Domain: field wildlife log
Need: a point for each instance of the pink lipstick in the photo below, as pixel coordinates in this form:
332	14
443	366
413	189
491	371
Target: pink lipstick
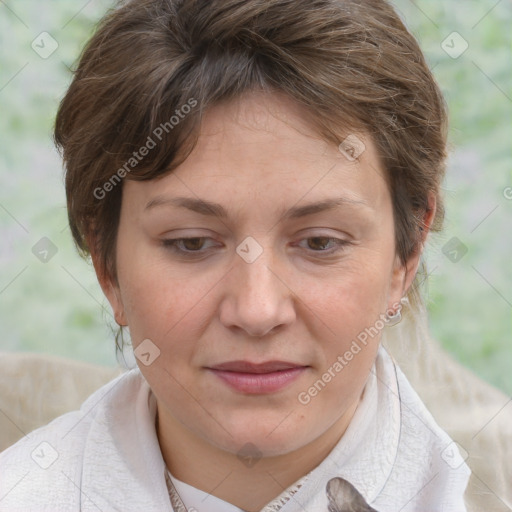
258	378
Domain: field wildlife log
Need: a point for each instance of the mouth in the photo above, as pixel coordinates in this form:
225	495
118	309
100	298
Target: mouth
257	378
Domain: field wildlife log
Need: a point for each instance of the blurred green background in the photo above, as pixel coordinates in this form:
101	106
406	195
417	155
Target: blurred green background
57	307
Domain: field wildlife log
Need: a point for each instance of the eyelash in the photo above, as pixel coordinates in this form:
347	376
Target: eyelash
172	245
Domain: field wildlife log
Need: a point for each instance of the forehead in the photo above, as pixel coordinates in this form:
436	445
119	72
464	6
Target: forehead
262	150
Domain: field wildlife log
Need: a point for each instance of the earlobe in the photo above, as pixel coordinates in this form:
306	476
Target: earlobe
113	294
114	298
110	290
120	318
407	272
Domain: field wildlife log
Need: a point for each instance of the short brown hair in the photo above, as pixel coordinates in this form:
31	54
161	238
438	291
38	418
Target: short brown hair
351	64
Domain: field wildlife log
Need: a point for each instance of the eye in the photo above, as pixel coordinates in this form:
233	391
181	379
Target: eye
194	245
197	245
325	244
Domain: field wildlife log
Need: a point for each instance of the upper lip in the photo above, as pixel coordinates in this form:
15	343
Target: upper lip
248	367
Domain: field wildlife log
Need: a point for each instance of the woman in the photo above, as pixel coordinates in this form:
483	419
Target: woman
255	182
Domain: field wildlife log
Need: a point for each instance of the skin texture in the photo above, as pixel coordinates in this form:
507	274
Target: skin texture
298	301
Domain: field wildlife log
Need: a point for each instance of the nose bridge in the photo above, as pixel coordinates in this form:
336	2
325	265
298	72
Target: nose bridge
259	300
258	280
257	287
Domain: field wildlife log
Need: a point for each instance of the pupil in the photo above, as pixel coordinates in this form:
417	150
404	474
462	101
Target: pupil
319	241
193	243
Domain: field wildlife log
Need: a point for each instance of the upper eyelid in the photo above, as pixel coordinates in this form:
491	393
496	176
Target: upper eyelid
338	241
303	233
180	238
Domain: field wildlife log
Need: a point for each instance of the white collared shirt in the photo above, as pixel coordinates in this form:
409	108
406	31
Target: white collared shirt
200	501
106	456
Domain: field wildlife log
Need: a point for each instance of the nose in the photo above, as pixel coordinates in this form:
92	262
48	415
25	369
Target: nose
257	299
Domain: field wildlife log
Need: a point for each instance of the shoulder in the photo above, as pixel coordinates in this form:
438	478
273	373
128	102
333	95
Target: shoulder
427	459
44	468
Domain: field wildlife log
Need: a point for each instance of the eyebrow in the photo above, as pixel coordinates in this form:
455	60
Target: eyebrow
212	209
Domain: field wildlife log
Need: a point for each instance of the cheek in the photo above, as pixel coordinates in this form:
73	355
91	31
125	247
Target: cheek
348	324
346	311
352	297
165	303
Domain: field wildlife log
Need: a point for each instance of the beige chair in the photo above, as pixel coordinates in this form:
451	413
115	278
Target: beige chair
477	416
34	389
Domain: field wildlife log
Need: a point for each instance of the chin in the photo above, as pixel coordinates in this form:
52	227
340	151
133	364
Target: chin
266	437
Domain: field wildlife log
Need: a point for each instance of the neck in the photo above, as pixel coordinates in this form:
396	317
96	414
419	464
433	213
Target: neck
251	485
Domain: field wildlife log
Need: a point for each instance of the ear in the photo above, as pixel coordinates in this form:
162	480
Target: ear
110	288
403	275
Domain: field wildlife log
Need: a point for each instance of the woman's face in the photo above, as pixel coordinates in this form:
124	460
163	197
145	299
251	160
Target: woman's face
291	257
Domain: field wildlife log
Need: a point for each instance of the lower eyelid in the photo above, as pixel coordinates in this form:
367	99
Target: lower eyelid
172	244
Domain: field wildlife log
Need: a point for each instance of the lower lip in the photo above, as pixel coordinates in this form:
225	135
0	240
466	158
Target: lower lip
259	383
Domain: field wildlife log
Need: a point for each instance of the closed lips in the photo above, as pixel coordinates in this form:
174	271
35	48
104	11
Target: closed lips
257	378
247	367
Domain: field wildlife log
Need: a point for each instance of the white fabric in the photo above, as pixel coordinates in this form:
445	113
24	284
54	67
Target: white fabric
200	501
107	456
